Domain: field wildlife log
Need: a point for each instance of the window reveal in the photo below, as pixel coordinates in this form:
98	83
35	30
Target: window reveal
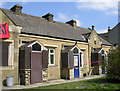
5	54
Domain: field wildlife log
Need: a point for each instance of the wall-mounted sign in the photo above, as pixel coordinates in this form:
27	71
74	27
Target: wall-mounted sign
4	30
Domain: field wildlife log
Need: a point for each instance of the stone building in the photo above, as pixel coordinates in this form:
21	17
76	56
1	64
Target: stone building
112	35
41	49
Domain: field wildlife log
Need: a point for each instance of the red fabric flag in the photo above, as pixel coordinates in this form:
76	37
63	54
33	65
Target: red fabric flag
4	30
92	62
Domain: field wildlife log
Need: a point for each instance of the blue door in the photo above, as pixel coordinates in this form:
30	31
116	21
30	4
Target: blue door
103	67
103	70
76	66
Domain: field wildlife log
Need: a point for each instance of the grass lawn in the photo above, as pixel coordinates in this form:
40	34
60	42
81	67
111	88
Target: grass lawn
99	83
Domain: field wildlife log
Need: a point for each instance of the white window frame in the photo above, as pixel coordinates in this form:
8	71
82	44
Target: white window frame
78	57
11	54
53	57
82	59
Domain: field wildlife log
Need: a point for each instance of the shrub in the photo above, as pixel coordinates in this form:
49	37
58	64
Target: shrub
113	66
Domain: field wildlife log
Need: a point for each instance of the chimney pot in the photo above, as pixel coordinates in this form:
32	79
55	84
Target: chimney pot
72	23
93	27
48	17
17	9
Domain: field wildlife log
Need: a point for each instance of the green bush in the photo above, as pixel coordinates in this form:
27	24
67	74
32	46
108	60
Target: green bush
113	66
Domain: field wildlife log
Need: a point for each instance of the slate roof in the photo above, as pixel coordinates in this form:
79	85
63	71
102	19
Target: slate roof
67	48
117	26
83	30
27	44
86	36
104	42
40	26
37	25
104	36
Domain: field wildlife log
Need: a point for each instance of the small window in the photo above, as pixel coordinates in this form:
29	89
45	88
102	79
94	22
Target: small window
51	51
102	52
51	56
75	50
36	47
95	42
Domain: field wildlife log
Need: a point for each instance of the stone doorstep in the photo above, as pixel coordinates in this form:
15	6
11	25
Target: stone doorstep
51	82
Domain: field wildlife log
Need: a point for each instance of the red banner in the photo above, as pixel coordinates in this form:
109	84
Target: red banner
92	62
4	30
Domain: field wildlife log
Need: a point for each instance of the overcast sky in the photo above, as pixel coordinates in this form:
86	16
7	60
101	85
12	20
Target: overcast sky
86	13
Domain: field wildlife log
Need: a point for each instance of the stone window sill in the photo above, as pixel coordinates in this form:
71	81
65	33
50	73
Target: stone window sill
52	65
6	68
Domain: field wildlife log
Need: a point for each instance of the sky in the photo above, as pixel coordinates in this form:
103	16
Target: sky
99	13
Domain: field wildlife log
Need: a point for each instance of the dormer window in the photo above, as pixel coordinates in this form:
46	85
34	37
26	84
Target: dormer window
95	42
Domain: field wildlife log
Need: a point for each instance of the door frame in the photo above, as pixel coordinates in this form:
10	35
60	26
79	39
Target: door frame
78	65
39	65
78	54
103	68
36	51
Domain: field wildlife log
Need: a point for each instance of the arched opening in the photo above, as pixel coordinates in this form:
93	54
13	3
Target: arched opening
75	50
102	52
36	47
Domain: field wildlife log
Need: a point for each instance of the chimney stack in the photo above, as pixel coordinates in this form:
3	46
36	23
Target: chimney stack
17	9
93	27
48	17
109	29
72	23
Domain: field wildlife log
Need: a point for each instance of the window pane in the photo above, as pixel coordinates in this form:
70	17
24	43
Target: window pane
102	51
95	42
52	59
75	50
36	47
51	51
76	61
5	52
